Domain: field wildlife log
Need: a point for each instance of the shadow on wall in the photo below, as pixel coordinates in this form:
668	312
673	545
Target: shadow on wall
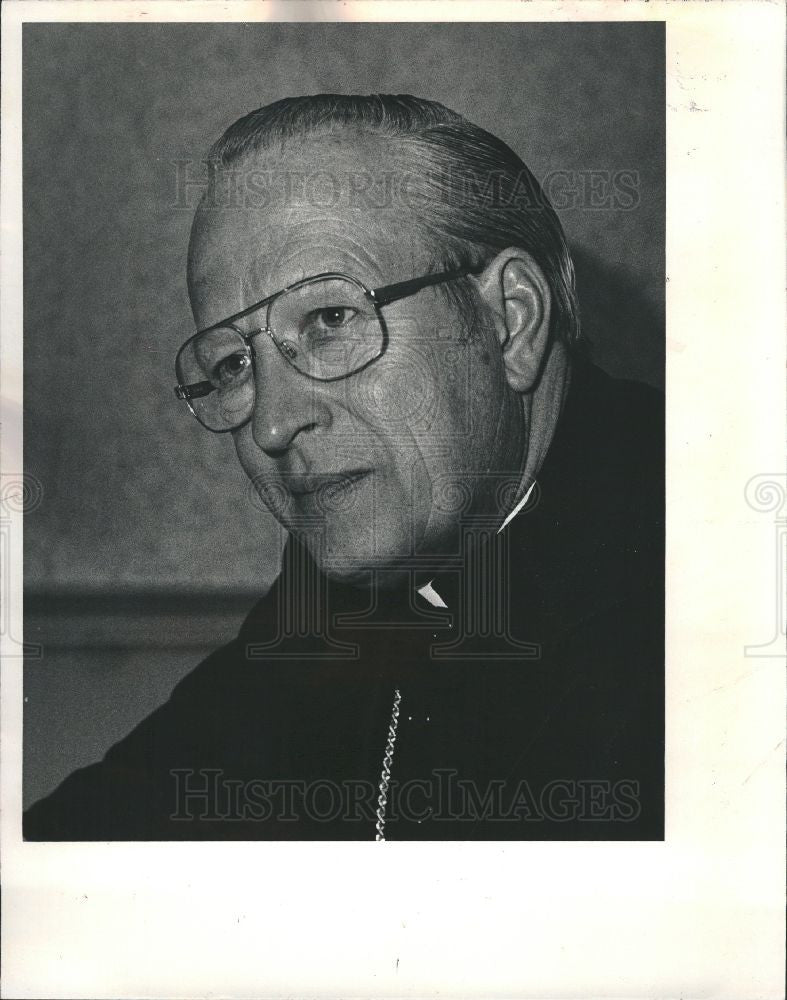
622	327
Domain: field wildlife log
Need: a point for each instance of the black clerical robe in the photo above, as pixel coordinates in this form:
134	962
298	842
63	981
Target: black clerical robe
530	708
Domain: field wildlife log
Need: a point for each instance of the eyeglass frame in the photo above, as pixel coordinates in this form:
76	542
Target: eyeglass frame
379	297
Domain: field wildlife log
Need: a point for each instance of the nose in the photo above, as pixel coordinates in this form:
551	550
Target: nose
287	404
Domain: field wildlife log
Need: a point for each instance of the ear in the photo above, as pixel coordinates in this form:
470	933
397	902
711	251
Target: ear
519	299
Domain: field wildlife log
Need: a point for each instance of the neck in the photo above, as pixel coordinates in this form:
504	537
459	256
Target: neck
543	408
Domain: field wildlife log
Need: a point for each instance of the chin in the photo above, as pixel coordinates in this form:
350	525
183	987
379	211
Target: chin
349	555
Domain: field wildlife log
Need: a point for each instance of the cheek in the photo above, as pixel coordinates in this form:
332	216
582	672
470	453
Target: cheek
424	387
472	394
398	394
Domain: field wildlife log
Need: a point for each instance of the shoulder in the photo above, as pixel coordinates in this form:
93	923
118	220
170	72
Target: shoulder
608	449
596	535
616	414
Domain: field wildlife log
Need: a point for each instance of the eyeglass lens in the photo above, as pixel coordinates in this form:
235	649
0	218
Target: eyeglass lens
327	329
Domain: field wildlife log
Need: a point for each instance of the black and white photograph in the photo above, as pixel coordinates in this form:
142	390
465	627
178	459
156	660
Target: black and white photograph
428	328
392	518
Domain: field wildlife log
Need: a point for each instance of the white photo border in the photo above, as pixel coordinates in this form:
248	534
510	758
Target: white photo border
698	915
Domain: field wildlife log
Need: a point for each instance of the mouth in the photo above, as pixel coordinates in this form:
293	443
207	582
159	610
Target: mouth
329	485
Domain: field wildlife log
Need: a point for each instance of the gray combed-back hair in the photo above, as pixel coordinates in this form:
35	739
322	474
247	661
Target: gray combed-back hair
478	196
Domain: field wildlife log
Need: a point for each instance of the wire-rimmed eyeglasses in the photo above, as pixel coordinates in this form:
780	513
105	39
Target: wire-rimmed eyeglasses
327	327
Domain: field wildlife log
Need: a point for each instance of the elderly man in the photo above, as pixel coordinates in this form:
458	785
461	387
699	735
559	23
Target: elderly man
466	637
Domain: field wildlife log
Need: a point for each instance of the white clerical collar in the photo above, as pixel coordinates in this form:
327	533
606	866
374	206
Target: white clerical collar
430	594
517	509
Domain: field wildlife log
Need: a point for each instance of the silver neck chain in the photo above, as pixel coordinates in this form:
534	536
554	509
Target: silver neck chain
385	777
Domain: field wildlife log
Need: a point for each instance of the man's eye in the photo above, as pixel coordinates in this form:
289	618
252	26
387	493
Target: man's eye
230	369
332	317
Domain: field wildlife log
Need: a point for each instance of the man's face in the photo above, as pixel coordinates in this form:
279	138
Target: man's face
379	465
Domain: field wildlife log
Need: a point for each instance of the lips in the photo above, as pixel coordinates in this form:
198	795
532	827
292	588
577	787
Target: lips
333	482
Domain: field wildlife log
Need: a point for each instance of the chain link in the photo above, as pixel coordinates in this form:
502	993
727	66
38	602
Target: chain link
385	777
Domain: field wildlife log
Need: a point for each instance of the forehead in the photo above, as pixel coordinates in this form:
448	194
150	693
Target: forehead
333	203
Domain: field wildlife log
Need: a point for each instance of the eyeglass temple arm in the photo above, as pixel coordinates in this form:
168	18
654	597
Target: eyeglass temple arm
401	289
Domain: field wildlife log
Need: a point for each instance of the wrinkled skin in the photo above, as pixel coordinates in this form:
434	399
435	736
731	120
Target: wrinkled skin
437	409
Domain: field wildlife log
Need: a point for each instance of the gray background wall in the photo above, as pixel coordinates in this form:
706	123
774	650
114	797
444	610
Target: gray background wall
140	507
